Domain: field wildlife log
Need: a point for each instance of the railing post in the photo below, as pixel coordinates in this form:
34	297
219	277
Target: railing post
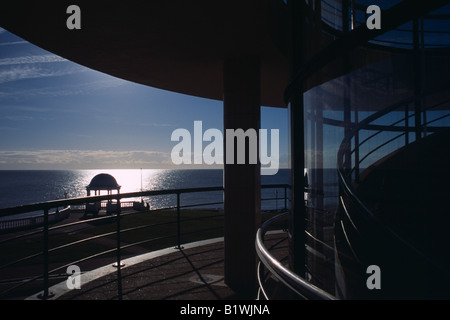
276	199
179	247
46	294
356	136
417	76
285	198
406	125
118	263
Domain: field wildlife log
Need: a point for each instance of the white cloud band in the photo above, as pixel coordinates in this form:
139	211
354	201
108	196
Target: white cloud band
83	159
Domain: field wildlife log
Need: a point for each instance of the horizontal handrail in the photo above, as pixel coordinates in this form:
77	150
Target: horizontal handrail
117	217
297	284
374	220
344	173
33	221
67	202
394	17
336	12
82	200
365	125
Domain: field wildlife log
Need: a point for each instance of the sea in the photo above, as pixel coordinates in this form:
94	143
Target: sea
20	187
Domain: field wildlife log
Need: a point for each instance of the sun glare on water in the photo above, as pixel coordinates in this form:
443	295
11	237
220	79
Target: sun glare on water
130	180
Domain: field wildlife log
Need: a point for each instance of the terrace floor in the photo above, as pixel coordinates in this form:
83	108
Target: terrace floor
193	273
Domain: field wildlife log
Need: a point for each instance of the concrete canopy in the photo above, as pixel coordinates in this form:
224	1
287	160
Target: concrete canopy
103	181
173	45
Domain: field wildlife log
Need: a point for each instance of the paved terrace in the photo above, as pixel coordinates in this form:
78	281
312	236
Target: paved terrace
193	273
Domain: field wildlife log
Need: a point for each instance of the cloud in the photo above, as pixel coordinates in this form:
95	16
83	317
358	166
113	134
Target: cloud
24	108
21	72
16	117
79	88
83	159
13	43
46	58
35	67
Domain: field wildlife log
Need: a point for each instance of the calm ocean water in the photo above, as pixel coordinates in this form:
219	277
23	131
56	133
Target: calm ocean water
33	186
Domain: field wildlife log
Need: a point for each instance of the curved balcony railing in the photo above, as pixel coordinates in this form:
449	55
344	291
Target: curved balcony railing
347	31
333	18
300	287
357	33
355	216
171	228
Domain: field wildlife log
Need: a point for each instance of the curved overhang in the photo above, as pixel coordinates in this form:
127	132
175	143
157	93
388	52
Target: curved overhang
173	45
103	181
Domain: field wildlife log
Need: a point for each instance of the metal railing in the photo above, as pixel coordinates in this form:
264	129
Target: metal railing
177	221
32	222
356	219
356	34
332	22
395	127
350	203
342	43
299	286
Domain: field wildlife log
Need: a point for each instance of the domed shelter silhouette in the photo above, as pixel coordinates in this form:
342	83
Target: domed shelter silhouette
103	181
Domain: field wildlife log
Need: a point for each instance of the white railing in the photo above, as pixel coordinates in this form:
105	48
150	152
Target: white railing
33	221
123	204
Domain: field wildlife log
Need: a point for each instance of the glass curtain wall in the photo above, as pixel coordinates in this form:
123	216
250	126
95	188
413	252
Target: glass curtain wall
376	138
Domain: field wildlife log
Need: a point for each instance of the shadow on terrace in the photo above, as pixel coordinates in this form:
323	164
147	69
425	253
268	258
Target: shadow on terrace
136	252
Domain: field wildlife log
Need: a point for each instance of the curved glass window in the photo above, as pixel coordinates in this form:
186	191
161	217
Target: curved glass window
377	151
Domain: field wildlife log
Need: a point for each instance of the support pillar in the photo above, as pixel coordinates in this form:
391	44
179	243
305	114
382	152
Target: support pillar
297	221
417	69
242	182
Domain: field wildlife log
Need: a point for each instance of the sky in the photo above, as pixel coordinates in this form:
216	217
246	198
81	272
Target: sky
56	114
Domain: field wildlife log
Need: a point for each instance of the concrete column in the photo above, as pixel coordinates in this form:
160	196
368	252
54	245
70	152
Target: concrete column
242	182
297	222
